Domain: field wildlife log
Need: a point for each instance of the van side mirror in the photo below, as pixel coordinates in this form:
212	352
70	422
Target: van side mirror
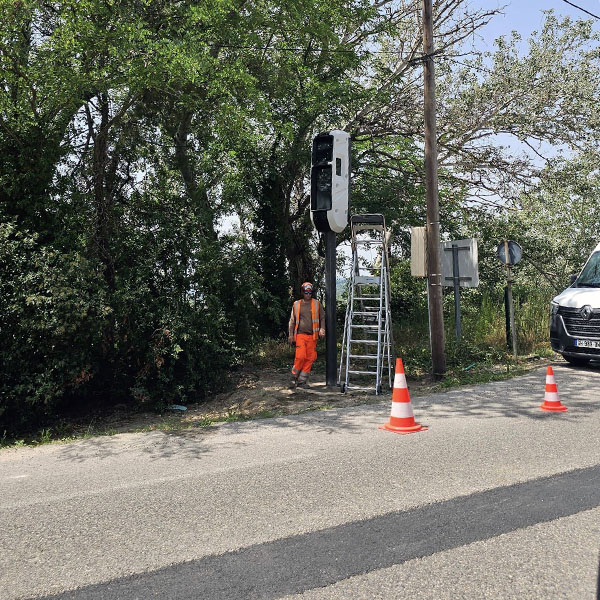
572	278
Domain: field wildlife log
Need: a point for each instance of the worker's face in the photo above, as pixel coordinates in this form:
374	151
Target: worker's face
307	294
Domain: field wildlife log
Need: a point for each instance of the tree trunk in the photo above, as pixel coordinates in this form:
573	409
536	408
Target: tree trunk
300	258
269	237
195	191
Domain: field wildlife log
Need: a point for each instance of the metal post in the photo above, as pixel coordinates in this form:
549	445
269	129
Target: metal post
456	280
507	318
330	309
434	267
511	309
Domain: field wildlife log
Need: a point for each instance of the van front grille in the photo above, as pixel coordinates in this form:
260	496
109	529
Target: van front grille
578	350
577	326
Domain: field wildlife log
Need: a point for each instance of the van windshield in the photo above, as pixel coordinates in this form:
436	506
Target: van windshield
590	276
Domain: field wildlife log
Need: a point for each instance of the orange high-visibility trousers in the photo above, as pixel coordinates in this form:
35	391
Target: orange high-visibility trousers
306	354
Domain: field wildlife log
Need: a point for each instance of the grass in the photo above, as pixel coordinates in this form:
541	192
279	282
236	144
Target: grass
273	354
482	374
47	436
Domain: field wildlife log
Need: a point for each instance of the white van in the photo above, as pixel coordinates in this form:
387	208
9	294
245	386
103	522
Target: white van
575	315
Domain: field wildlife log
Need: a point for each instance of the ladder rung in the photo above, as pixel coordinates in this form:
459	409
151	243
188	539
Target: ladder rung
366	298
367	319
363	356
369	342
373	242
363	372
366	280
370	313
358	387
360	281
364	326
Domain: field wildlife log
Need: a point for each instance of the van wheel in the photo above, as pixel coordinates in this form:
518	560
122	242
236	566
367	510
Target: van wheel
576	361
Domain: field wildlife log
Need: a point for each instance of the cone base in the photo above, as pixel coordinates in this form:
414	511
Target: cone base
559	408
404	430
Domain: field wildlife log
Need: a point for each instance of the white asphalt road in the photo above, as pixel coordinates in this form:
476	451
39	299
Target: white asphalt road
498	499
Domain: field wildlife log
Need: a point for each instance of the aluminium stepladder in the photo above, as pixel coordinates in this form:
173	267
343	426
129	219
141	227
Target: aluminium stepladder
367	343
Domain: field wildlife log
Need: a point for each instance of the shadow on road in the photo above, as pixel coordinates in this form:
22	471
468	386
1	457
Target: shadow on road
317	559
578	388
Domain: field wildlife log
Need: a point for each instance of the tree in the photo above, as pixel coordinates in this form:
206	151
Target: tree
503	115
349	66
559	221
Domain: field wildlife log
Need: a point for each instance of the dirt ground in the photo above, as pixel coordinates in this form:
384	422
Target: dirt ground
255	393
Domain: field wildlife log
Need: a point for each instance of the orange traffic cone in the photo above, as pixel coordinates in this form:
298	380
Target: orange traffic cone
551	399
401	419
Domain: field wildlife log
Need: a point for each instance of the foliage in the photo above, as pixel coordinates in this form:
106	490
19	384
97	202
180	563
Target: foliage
50	310
559	221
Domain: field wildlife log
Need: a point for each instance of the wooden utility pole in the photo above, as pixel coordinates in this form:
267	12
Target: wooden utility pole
434	266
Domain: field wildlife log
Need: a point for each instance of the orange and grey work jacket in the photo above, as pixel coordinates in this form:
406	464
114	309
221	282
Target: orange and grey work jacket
302	322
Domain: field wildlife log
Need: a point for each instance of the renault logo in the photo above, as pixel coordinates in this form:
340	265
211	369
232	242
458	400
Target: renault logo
586	312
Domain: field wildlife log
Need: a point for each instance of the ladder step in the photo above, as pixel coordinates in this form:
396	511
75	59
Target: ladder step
363	372
366	298
375	327
371	313
358	387
366	318
366	280
369	356
371	219
368	342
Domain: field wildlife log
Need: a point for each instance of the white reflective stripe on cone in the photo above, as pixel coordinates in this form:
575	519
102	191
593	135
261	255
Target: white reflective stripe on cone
550	379
400	380
551	397
402	410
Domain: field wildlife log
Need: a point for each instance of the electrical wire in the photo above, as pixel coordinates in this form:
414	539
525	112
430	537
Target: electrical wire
464	64
587	12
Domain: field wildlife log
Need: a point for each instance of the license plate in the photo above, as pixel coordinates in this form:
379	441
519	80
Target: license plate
587	343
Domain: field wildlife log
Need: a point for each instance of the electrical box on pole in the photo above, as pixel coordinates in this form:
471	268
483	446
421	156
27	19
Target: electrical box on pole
418	252
329	204
330	181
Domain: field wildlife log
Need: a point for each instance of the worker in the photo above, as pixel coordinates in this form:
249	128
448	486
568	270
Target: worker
307	324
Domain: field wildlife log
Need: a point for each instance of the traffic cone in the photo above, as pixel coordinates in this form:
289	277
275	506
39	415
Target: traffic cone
402	419
551	399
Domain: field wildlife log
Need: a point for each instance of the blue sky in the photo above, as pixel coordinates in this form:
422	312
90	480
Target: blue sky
526	16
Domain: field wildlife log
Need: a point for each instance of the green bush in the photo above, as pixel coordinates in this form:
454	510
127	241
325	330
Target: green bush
71	344
51	312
